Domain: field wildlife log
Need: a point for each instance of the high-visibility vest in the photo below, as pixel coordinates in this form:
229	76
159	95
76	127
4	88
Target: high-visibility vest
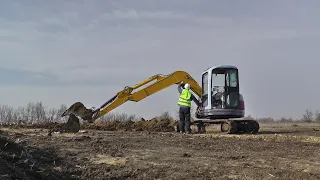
185	98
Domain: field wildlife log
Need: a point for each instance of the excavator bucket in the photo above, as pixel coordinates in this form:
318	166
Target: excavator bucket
79	109
72	126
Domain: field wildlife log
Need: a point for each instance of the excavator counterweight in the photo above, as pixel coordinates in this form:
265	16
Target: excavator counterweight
219	98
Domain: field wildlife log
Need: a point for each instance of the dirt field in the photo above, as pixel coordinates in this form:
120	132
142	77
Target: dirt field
278	152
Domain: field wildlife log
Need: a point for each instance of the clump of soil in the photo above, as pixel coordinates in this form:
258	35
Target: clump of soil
7	145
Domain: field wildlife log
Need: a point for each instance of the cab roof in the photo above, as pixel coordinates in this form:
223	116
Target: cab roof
221	66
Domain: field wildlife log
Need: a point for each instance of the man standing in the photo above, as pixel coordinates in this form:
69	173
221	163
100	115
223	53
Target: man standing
185	106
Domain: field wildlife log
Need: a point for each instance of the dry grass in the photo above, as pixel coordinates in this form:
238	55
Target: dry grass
104	159
266	137
289	124
274	132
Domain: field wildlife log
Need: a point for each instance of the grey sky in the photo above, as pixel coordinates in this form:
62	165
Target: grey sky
60	52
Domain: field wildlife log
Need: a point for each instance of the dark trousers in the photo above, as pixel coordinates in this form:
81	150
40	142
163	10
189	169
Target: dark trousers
184	115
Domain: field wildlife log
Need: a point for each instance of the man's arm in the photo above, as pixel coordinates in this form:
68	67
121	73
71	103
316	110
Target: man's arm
180	87
195	100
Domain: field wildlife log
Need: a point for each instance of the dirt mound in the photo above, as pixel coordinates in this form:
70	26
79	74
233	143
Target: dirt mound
158	125
152	125
155	125
20	162
7	145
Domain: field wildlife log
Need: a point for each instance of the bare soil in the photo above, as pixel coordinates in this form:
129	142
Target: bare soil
275	153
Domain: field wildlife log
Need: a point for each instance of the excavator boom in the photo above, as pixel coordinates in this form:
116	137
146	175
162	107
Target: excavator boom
127	94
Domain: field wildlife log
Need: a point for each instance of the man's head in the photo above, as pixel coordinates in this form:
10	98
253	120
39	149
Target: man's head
187	86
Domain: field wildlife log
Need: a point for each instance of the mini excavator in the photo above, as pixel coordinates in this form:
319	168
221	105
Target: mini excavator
219	99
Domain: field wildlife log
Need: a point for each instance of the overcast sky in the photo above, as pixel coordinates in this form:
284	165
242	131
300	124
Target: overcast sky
64	51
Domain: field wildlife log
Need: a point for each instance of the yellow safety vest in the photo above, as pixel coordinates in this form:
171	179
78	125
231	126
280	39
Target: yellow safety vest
185	98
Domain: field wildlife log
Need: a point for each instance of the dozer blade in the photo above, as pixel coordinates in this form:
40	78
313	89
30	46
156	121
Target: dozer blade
79	109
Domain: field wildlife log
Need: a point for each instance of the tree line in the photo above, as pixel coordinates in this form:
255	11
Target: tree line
33	112
36	112
307	117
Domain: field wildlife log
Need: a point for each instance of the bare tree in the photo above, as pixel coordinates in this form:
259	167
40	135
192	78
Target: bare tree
22	115
166	115
30	112
2	115
61	109
51	115
307	116
317	116
39	112
6	114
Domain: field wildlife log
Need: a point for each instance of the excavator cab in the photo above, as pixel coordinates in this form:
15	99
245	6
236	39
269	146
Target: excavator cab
221	98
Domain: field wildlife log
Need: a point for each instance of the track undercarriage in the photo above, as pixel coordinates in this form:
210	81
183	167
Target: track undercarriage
240	126
229	126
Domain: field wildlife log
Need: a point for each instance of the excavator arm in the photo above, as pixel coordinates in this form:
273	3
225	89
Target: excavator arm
127	94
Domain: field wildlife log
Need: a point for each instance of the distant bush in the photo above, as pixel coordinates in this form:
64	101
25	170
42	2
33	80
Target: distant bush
166	115
118	117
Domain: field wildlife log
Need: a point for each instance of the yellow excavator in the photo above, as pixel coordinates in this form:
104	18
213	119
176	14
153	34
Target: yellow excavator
219	99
